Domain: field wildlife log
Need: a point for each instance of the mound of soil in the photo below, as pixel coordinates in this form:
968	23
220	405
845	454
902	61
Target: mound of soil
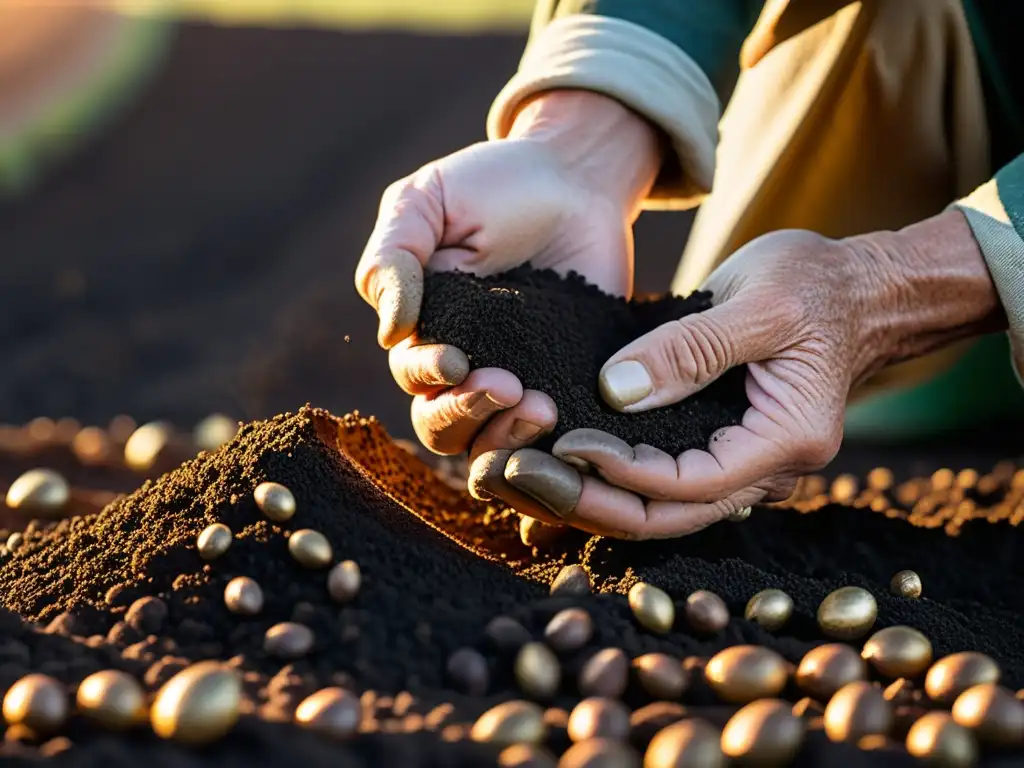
556	333
437	568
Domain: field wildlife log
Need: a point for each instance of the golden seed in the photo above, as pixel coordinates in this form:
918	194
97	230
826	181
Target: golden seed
332	712
143	448
198	705
525	756
827	668
844	488
652	607
906	584
569	630
706	612
994	714
936	739
898	652
571	580
537	671
763	732
847	613
275	501
310	548
606	673
594	753
858	709
243	596
954	674
214	541
288	640
40	491
661	676
511	722
344	580
598	718
742	673
771	608
112	698
686	744
37	702
214	431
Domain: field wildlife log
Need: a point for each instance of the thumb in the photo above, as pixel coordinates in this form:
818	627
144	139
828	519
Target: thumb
409	228
682	357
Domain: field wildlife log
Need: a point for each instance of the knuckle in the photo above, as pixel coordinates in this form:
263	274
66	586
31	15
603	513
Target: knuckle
698	349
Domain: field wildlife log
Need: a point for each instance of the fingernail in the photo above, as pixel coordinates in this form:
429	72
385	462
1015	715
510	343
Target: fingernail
487	475
480	405
625	384
545	479
523	430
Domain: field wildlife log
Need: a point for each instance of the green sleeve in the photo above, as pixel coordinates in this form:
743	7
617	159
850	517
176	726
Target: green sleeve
711	32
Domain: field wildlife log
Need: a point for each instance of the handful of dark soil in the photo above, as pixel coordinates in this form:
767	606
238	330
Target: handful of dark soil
555	333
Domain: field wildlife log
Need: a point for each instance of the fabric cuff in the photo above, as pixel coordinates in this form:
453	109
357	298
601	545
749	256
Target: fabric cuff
641	69
1003	250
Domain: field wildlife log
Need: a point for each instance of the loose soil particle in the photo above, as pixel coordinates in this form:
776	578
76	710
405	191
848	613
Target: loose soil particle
555	334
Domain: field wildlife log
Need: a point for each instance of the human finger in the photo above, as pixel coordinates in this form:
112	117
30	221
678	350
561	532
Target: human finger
423	369
448	421
521	425
487	483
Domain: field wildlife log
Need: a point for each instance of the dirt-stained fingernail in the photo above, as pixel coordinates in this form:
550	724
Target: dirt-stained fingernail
487	475
523	430
546	479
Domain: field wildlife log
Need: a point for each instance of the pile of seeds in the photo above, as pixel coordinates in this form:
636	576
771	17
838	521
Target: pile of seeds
359	610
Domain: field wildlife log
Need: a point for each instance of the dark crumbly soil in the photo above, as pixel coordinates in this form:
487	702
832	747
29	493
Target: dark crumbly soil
437	567
556	333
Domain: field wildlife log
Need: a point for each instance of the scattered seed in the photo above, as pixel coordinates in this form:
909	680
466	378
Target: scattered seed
467	669
598	718
288	640
37	702
571	580
827	668
906	584
954	674
243	596
332	712
994	714
936	739
147	615
344	581
198	705
275	501
569	630
763	732
526	756
112	698
214	541
847	613
706	612
214	431
660	675
39	491
898	652
742	673
142	450
685	744
310	548
511	722
652	607
771	608
606	673
858	709
537	671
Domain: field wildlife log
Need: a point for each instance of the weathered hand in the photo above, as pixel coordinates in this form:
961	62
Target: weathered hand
811	318
562	192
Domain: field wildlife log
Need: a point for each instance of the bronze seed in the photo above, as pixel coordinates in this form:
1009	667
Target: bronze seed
847	613
954	674
275	501
511	722
214	431
906	584
198	705
771	608
112	698
856	710
288	640
598	718
344	581
660	675
310	548
537	671
936	739
706	612
569	630
827	668
37	702
686	744
332	712
600	753
571	580
898	652
243	596
214	541
526	756
145	445
652	608
763	732
40	491
506	634
994	714
606	673
467	669
742	673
